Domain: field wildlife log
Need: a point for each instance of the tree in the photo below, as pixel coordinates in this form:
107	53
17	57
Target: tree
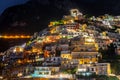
111	51
108	53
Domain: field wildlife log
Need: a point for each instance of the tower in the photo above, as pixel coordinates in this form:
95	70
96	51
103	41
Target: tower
75	12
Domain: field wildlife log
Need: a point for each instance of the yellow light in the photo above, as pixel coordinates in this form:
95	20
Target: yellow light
82	70
19	61
22	36
21	49
72	21
65	22
19	74
89	40
14	50
28	36
16	36
84	26
18	49
5	37
63	36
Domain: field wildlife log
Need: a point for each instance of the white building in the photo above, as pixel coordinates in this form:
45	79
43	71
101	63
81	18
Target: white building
44	71
97	68
75	12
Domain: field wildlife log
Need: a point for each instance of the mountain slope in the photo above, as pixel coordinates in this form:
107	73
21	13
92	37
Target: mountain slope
36	14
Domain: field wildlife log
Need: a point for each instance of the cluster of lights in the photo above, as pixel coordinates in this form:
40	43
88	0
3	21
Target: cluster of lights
90	40
15	37
18	49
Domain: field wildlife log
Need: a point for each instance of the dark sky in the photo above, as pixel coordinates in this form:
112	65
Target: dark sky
8	3
93	6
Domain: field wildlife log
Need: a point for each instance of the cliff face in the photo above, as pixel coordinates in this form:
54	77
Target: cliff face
36	14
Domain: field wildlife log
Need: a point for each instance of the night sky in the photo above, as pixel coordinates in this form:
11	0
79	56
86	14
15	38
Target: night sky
106	6
8	3
100	5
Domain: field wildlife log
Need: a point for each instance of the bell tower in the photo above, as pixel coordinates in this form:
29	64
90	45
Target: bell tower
75	12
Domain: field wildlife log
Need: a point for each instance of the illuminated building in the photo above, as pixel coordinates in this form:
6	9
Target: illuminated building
75	12
72	26
46	53
18	49
65	55
68	20
89	40
54	30
64	47
66	58
34	50
118	30
44	71
85	50
15	72
55	23
97	68
85	57
52	61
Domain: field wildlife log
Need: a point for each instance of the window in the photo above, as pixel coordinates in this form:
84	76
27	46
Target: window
58	59
82	50
54	59
92	69
46	73
40	73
